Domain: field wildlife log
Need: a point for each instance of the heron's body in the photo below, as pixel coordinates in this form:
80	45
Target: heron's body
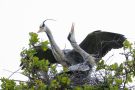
96	45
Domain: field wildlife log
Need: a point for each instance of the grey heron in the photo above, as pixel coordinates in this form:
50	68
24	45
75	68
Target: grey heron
97	43
57	53
95	46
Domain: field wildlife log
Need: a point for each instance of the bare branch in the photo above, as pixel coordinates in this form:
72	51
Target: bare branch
14	73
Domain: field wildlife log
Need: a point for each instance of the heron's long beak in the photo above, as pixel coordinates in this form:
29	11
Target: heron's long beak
40	30
72	27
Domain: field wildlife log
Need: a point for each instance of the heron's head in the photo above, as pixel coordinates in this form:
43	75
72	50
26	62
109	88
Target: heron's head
43	27
71	36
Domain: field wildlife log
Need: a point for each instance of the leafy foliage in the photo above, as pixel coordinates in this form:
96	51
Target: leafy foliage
8	84
43	75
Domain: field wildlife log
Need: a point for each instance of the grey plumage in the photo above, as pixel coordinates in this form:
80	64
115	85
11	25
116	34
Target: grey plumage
79	60
97	44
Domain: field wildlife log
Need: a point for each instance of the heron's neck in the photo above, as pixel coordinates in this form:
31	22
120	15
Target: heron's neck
77	48
58	54
51	39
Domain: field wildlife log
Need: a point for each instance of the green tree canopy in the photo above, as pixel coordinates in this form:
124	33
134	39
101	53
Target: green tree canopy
42	75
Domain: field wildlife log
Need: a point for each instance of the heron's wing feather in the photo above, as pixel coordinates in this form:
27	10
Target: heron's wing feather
41	54
47	55
100	42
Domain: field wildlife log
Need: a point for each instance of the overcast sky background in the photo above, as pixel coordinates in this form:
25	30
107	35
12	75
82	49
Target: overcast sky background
19	17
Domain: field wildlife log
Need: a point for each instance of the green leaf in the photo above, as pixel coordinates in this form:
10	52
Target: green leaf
7	84
114	66
88	87
44	45
46	62
78	88
33	38
125	88
115	88
129	78
65	80
101	65
133	53
35	62
127	44
118	81
54	84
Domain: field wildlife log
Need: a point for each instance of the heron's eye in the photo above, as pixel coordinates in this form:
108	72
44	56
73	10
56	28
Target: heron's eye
69	36
41	26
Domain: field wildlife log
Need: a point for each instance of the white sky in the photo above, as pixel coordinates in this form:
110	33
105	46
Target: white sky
19	17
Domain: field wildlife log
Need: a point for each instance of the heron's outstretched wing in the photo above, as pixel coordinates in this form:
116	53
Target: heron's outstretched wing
100	42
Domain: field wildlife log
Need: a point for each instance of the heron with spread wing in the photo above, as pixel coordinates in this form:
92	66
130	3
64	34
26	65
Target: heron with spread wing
96	45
